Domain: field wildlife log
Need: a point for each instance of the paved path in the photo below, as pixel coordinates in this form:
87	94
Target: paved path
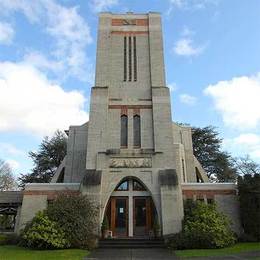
131	254
159	254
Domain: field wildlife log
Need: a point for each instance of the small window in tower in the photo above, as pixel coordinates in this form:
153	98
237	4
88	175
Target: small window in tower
130	59
135	60
124	129
137	131
183	170
125	61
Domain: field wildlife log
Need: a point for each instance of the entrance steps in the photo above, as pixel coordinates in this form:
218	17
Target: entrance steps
131	243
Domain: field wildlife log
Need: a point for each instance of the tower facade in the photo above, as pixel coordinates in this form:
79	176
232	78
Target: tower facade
130	136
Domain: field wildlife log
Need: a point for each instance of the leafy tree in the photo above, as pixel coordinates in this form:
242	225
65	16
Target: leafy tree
46	160
249	196
245	165
207	148
7	180
77	216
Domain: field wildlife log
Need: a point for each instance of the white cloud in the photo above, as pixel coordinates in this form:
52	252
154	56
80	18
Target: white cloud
38	60
10	149
246	143
192	4
13	164
188	99
187	32
6	33
29	102
102	5
238	101
184	47
70	31
172	86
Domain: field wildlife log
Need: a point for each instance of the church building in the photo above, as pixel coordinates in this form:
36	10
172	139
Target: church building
130	158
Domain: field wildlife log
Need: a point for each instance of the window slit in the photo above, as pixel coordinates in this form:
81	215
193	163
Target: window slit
124	131
135	60
137	131
125	62
130	59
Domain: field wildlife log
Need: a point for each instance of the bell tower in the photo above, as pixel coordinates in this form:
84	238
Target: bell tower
130	126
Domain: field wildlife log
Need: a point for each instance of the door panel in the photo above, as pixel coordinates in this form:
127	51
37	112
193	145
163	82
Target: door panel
120	216
142	216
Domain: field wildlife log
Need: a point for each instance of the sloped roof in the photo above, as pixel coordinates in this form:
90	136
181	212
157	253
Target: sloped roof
11	197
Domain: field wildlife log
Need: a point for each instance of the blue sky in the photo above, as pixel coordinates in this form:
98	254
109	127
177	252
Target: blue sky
47	66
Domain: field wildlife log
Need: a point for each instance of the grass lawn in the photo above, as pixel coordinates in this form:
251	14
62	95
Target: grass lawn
236	249
20	253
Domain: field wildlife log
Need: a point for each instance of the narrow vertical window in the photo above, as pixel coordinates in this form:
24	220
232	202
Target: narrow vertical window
130	58
135	60
137	131
125	62
124	127
183	170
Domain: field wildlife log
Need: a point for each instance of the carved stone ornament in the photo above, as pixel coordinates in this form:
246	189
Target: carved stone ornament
130	163
129	22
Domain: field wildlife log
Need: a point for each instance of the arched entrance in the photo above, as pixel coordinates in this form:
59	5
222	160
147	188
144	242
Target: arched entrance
130	210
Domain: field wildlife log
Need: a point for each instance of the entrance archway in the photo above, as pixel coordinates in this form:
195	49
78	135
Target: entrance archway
130	210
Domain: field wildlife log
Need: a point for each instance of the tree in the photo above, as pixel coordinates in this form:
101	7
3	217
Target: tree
7	180
46	160
249	197
218	164
245	165
77	216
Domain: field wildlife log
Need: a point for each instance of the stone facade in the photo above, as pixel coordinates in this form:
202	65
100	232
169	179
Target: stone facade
130	81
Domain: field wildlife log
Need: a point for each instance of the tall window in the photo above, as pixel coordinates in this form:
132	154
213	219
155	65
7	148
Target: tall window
124	126
125	61
130	59
135	60
137	131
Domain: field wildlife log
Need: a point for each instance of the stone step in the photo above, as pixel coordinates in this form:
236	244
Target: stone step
131	243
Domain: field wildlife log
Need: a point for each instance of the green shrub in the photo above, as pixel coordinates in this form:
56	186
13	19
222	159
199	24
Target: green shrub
77	215
249	196
203	227
43	233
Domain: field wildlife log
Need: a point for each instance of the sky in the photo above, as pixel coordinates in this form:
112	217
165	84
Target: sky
47	68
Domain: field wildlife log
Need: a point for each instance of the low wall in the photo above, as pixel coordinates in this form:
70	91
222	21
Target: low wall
37	195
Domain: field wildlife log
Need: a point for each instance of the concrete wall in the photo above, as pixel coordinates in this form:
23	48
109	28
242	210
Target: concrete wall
36	196
229	205
75	162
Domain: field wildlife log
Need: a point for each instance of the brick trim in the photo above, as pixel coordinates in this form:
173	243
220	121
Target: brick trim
129	32
130	107
189	194
124	110
134	22
51	195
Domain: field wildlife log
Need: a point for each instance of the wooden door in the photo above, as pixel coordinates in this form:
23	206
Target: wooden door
119	216
142	216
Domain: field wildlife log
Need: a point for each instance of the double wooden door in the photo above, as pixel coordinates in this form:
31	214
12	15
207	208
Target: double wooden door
141	212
